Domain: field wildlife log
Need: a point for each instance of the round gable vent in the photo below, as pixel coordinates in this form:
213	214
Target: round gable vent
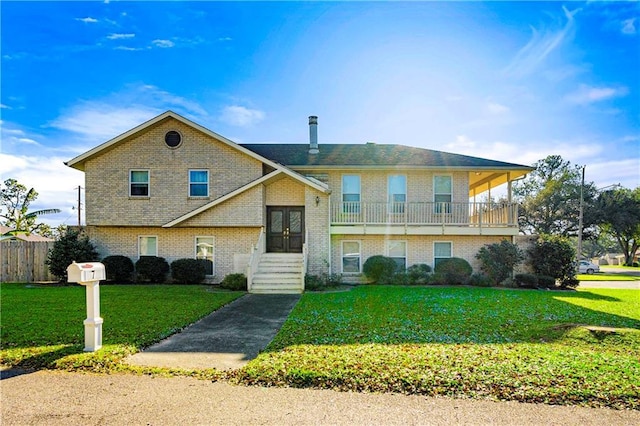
172	139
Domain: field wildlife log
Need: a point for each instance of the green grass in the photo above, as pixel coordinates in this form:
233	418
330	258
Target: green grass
523	345
606	277
42	326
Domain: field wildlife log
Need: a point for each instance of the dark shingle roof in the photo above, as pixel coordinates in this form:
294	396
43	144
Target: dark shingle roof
370	154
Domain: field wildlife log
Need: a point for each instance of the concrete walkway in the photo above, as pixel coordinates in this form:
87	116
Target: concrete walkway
226	339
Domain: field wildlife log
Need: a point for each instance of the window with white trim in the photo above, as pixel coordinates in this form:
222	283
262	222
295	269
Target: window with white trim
139	183
397	250
351	257
442	194
147	245
397	190
198	183
351	193
441	250
204	252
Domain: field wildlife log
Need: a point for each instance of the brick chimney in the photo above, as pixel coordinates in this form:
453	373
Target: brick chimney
313	134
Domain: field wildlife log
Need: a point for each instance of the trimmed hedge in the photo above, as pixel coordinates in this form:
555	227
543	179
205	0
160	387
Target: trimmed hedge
237	282
454	270
380	269
527	280
152	269
118	268
188	271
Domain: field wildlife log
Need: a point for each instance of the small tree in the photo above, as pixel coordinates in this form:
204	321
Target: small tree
554	256
498	260
69	248
14	209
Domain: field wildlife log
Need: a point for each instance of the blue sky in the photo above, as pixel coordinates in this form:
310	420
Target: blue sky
510	81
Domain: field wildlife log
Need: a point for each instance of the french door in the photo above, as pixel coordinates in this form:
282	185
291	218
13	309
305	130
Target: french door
285	229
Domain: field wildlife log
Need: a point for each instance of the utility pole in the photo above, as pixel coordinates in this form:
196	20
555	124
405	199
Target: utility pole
579	254
79	206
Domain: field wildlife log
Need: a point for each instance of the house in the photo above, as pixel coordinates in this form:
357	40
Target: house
173	188
10	234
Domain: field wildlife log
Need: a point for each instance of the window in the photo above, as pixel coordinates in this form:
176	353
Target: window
441	251
147	246
442	194
397	250
351	193
204	251
397	188
198	183
351	257
139	183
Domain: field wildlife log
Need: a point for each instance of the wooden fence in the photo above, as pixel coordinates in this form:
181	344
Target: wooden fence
23	261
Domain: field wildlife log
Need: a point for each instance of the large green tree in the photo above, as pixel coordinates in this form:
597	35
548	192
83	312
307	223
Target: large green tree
550	198
617	212
15	199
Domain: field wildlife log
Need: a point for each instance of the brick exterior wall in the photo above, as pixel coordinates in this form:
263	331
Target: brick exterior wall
419	247
176	243
107	176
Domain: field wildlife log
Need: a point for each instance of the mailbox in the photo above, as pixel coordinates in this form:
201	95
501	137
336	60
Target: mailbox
86	272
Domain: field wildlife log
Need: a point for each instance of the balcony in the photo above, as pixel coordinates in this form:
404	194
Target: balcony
425	218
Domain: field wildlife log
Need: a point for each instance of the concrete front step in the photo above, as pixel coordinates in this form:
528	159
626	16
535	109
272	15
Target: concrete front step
278	273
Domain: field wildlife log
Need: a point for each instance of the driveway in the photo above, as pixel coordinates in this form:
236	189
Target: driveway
226	339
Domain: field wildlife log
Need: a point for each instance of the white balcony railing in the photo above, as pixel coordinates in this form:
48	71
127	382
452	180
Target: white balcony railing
455	214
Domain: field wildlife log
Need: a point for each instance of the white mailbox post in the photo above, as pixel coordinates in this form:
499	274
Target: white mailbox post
89	275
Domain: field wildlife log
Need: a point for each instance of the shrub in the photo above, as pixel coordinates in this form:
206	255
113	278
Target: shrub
527	280
554	256
380	269
69	248
322	282
188	271
454	270
480	280
237	282
418	274
152	269
498	260
545	281
119	268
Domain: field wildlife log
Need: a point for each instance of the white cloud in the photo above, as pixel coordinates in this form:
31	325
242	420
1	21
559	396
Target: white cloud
128	49
3	106
163	43
628	26
590	94
225	39
55	183
103	119
540	46
241	116
496	108
118	36
87	20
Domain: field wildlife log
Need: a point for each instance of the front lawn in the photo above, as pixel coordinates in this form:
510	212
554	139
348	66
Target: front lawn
525	345
42	326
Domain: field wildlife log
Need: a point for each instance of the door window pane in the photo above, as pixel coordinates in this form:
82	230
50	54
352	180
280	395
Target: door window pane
351	257
351	193
147	246
276	221
295	221
139	183
204	252
397	188
198	183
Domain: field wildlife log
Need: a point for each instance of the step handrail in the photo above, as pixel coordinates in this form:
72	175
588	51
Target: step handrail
254	259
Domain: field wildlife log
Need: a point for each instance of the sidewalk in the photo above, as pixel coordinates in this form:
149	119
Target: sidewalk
60	398
226	339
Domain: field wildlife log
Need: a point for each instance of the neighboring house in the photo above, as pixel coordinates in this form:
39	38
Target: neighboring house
10	234
175	189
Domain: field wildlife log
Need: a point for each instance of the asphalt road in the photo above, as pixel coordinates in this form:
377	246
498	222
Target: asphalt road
59	398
